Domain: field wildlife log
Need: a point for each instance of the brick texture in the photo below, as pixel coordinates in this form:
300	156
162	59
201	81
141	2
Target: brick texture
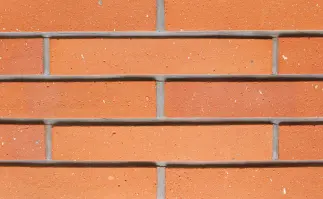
83	15
301	142
77	183
244	99
190	99
77	99
21	56
300	55
293	183
160	56
243	15
164	143
21	142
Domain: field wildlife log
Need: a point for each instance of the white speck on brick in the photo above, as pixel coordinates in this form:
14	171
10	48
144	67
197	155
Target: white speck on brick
284	57
284	191
2	143
260	92
235	101
103	101
3	28
188	58
14	138
82	56
271	180
316	86
0	58
147	15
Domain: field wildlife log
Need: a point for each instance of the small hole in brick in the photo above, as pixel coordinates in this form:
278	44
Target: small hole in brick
251	61
119	185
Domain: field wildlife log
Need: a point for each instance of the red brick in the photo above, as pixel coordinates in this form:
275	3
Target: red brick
77	99
300	55
163	143
21	142
301	142
21	56
293	183
244	99
61	15
243	15
77	183
160	56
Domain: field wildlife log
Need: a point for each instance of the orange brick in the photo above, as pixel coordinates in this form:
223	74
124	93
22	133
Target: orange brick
77	183
244	99
293	183
301	142
21	56
77	99
83	15
243	15
300	55
163	143
160	56
21	142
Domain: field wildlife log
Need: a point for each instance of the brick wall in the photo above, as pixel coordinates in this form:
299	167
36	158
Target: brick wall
246	103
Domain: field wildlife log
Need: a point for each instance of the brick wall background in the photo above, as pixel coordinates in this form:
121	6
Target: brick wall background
245	105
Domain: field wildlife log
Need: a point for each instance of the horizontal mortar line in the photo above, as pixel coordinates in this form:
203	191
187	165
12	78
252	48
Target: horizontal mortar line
163	121
152	164
158	77
167	34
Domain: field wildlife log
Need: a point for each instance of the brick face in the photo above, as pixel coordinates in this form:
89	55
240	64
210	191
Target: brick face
21	56
300	55
190	99
77	99
294	183
83	15
244	99
160	56
21	142
301	142
164	143
77	183
243	15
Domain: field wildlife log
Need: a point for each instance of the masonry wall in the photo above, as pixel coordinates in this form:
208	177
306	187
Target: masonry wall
139	99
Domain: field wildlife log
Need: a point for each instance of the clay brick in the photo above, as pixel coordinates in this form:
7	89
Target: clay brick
244	99
21	142
21	56
83	15
301	142
77	99
77	183
243	15
163	143
300	55
161	56
293	183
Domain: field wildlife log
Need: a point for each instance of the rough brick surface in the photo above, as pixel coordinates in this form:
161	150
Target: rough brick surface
161	56
83	15
77	99
293	183
300	55
244	99
243	15
77	183
21	56
164	143
21	142
301	142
